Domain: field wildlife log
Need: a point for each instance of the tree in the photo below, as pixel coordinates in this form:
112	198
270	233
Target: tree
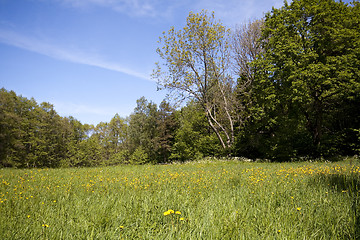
194	138
13	110
142	129
49	134
117	137
32	135
166	127
197	66
310	63
246	47
117	132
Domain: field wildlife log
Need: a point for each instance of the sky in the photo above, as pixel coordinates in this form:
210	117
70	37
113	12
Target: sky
92	59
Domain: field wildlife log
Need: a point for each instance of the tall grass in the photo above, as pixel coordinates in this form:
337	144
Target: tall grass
214	200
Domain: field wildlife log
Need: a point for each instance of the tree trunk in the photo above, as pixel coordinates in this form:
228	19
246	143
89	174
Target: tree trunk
218	129
314	126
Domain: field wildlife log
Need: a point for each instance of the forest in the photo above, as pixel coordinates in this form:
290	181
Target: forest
282	88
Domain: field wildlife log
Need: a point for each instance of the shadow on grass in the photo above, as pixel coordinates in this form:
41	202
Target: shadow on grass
349	183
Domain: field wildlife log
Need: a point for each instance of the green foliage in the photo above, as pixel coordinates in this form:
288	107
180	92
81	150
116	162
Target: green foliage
166	128
201	41
194	139
356	146
196	65
139	156
35	135
121	157
307	71
32	135
143	127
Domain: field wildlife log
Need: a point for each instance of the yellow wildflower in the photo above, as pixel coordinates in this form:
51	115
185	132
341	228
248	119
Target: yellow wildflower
170	211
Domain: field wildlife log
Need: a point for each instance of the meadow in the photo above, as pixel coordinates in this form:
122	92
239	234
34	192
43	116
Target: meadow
198	200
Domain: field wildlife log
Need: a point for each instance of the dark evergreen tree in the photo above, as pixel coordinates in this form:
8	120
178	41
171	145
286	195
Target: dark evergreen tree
166	127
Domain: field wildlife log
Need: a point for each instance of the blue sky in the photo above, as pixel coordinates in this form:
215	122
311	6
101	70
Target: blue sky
93	58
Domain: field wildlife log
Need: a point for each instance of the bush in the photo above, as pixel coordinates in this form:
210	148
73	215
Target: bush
139	156
121	157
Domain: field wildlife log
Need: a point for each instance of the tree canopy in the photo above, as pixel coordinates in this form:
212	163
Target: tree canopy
310	64
197	65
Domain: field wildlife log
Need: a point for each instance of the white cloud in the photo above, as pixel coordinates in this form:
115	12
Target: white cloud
71	55
130	7
230	12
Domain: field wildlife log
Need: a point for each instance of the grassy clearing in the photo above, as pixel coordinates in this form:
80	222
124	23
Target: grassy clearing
215	200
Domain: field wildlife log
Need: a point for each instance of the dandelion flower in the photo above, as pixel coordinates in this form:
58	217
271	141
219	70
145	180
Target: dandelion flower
299	208
182	219
45	225
167	213
279	231
178	212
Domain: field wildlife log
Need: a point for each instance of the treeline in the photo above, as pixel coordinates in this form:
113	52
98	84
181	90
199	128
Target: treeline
34	135
281	88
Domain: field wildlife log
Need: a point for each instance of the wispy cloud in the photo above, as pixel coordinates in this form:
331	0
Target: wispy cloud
162	9
231	12
71	55
131	7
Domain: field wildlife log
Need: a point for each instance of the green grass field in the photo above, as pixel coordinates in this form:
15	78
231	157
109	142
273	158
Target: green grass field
203	200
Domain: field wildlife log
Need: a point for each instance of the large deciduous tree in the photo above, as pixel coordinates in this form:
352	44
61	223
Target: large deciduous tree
311	61
246	48
196	65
